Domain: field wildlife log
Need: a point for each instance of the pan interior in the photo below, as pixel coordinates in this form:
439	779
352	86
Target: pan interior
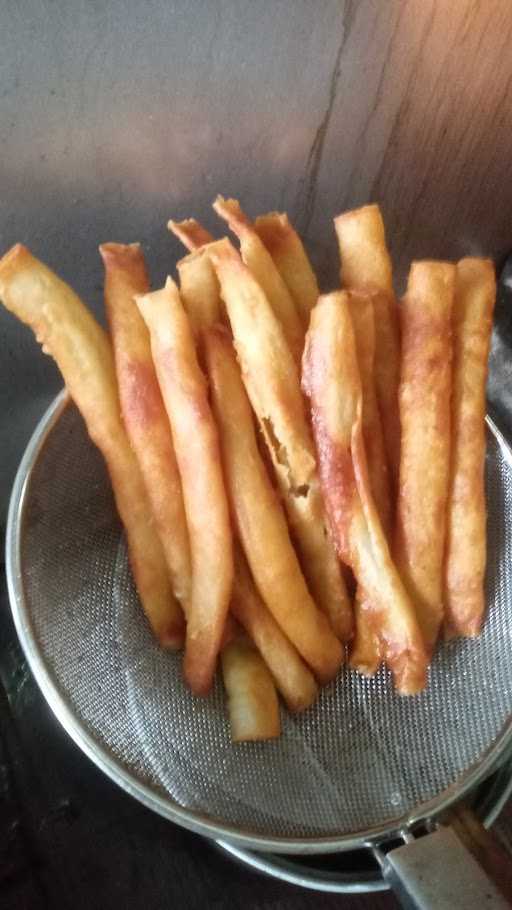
361	757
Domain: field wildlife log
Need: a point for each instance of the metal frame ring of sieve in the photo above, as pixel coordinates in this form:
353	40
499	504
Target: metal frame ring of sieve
362	768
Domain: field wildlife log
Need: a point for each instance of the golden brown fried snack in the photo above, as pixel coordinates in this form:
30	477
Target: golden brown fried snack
192	234
366	649
272	383
291	675
331	380
143	410
259	518
253	705
199	286
200	292
365	653
261	265
364	255
475	292
387	376
69	333
196	444
425	388
292	262
361	304
366	264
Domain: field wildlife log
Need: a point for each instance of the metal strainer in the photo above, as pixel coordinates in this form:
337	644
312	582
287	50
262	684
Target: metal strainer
359	767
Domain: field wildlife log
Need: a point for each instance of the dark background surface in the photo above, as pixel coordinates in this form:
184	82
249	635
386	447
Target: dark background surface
115	117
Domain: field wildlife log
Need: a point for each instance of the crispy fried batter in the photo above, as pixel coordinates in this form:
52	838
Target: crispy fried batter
366	264
272	383
143	410
425	388
475	292
292	262
331	380
261	265
196	444
259	518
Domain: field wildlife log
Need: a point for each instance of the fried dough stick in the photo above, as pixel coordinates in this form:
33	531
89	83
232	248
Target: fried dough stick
331	380
425	388
144	414
475	292
365	263
361	305
200	292
191	233
272	383
259	518
292	262
365	654
199	286
69	333
261	265
292	677
196	444
253	705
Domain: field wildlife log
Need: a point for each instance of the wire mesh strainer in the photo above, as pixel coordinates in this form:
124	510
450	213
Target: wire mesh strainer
360	765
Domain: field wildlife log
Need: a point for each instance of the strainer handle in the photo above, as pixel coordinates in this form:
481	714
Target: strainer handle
457	866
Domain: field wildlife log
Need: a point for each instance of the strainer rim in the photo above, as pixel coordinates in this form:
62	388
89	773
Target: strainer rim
165	805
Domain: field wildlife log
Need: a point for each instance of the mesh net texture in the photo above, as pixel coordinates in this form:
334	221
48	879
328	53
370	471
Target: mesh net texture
361	756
